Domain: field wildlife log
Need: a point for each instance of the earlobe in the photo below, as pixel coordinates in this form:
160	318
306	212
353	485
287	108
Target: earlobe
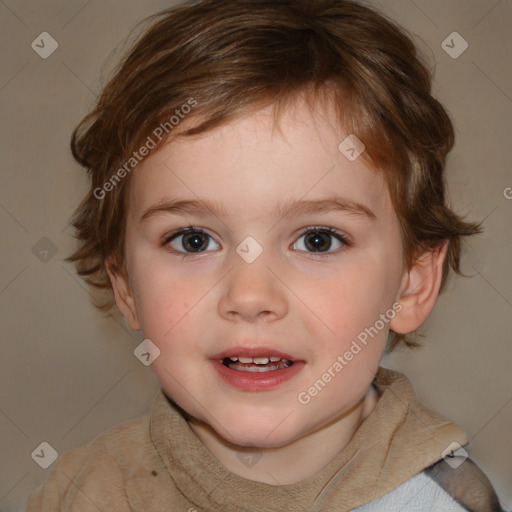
123	295
419	291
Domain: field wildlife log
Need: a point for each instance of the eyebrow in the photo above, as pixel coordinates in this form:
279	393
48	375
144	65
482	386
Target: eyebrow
285	210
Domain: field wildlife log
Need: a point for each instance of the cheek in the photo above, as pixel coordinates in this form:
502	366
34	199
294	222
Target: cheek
163	300
351	301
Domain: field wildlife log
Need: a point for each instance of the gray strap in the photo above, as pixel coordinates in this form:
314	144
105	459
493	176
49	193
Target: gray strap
467	484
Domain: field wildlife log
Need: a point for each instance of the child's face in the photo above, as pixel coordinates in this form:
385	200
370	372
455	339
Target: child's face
200	306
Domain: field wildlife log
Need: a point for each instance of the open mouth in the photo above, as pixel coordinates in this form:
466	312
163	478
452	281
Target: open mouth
256	364
257	368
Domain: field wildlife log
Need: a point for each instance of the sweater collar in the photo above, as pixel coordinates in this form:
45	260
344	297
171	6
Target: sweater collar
396	441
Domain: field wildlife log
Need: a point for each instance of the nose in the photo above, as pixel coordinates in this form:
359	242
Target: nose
252	293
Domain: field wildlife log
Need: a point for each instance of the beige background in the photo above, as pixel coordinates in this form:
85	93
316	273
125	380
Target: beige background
67	373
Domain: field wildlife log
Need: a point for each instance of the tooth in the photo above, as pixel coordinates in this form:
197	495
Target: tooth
234	359
274	359
261	360
257	369
245	359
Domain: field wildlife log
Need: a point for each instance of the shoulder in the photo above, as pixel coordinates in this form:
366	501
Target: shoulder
465	481
86	478
418	494
461	486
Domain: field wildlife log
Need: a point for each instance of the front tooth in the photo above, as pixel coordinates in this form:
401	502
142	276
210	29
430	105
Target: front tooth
261	360
274	359
234	359
245	359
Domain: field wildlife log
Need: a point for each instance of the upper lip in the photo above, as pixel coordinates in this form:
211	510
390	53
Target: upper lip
252	352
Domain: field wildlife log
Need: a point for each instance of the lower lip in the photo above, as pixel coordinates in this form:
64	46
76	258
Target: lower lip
257	381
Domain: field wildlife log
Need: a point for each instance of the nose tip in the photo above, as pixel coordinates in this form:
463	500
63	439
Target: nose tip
252	293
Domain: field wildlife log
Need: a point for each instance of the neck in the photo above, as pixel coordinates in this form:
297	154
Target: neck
295	461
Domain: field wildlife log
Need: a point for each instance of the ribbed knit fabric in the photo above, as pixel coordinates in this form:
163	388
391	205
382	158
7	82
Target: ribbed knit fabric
419	494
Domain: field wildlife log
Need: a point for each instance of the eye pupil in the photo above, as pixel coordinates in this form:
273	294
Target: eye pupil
194	241
318	242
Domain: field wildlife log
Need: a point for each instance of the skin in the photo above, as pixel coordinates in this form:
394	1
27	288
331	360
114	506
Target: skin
310	308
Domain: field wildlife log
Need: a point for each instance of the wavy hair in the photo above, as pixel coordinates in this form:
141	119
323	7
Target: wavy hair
235	56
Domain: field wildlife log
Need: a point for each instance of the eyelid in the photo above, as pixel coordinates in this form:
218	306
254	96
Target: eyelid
182	231
325	229
342	237
169	237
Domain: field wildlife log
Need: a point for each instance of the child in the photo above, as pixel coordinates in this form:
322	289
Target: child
267	203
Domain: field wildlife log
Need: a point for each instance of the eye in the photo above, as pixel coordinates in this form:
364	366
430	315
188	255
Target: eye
317	240
190	240
320	240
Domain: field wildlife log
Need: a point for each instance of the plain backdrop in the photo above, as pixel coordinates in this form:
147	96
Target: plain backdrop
68	373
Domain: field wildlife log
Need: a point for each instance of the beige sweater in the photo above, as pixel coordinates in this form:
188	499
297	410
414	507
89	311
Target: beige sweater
157	463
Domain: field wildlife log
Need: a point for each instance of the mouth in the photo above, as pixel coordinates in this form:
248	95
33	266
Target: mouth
256	369
256	364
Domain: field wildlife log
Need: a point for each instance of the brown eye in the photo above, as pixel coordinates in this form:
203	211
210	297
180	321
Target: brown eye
191	241
319	240
194	242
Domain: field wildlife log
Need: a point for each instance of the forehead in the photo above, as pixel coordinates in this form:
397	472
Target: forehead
250	165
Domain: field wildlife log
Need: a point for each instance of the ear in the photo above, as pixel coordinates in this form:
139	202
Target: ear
123	294
419	290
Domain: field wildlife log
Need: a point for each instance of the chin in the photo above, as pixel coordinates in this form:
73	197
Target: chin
270	433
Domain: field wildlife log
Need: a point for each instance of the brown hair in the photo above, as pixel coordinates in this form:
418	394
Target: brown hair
227	58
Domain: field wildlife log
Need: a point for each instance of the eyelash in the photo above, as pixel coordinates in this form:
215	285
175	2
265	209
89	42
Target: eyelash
311	229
